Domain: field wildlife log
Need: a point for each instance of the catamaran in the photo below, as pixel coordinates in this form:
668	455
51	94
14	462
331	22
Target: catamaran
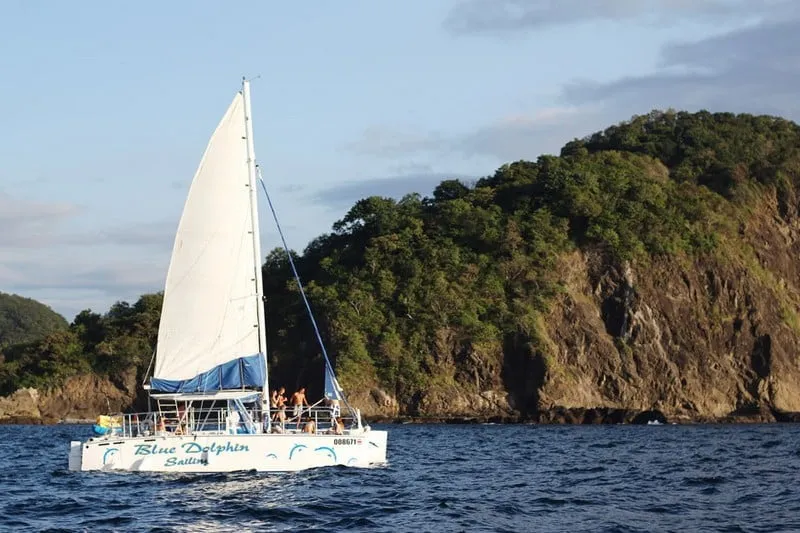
210	408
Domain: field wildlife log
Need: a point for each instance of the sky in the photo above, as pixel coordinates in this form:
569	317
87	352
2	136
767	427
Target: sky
106	107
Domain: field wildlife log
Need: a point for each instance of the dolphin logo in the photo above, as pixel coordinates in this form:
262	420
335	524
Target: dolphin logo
109	455
296	448
328	450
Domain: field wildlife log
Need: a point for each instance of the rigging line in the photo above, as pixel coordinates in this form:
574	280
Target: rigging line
149	366
299	283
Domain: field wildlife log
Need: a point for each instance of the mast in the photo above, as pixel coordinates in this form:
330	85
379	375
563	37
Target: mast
251	173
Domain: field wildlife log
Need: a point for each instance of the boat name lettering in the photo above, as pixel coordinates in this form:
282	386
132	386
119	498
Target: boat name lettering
152	449
216	449
174	461
189	448
345	441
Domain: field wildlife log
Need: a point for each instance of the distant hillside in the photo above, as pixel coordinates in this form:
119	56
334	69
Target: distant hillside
26	320
651	268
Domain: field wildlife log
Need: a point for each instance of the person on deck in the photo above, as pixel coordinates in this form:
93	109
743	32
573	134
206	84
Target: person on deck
333	403
298	401
280	406
273	399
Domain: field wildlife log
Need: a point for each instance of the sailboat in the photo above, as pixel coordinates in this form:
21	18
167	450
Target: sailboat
209	397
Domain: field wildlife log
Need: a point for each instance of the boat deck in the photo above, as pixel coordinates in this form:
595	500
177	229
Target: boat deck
199	421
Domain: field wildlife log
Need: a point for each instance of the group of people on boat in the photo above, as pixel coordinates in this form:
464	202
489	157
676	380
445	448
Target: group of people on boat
298	401
182	418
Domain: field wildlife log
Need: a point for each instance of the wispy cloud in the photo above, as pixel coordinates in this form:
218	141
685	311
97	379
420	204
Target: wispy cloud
512	16
392	141
521	136
44	251
527	136
754	69
72	283
119	277
155	235
31	223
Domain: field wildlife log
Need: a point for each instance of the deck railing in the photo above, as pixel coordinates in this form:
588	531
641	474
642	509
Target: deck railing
314	419
195	421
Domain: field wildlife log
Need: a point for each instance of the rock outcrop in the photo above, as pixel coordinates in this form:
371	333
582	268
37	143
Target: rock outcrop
21	407
79	398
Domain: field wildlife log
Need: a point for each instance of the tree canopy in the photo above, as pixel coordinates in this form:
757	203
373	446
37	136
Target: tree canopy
24	320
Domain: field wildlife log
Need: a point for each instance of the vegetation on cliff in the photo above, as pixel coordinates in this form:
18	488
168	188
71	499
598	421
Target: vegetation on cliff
453	289
452	292
112	345
25	320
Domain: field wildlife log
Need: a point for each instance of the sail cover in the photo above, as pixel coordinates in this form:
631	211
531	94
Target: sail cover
208	336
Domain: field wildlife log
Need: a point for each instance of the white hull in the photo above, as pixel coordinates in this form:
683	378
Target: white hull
226	453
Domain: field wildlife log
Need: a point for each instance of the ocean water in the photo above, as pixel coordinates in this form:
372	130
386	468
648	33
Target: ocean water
439	478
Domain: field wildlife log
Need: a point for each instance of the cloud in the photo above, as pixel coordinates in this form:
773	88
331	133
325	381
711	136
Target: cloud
29	223
291	187
754	69
344	196
159	234
116	278
72	282
32	224
527	136
512	16
389	142
522	136
156	235
44	254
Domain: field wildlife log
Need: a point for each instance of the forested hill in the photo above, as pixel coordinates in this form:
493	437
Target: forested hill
25	320
648	266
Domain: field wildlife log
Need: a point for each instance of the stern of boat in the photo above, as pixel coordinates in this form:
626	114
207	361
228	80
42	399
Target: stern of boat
375	446
75	455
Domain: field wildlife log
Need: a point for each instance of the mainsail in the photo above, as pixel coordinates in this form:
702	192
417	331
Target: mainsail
209	337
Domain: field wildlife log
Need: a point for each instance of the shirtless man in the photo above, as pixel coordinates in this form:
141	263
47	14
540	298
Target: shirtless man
298	401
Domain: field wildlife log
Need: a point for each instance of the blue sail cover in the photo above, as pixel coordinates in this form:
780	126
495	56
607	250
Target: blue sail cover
332	389
247	371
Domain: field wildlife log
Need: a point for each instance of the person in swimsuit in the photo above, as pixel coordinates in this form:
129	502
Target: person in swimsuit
298	401
280	406
273	400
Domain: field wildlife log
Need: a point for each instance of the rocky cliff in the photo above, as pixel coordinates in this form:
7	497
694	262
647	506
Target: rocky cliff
705	332
709	338
80	398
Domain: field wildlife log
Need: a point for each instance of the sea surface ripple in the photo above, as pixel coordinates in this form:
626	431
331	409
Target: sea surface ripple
439	478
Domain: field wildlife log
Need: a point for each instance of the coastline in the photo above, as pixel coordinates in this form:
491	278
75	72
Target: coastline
598	416
554	417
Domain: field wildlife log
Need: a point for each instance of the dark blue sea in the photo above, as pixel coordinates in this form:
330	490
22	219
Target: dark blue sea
439	478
